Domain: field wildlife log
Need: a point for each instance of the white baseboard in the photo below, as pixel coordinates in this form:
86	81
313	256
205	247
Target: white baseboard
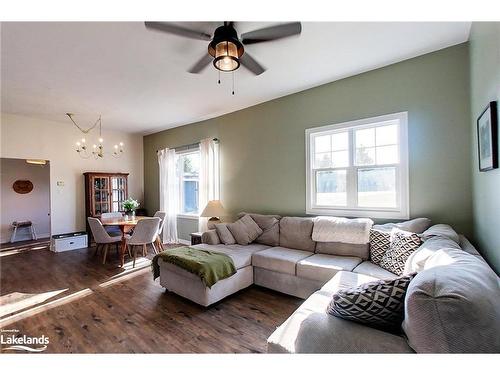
184	242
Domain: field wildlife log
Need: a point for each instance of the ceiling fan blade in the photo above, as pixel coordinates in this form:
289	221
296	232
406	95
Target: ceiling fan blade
171	28
271	33
251	64
201	64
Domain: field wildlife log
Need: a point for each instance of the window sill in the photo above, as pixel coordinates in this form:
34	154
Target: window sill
370	213
188	216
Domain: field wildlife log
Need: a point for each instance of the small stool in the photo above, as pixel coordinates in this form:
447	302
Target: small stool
23	224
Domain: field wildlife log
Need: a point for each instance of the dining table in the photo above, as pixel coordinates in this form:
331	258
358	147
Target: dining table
125	224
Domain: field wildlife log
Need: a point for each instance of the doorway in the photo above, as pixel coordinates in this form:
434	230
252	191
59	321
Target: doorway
24	196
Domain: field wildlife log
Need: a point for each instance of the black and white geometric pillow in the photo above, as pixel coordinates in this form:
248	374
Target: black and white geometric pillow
379	244
379	303
403	244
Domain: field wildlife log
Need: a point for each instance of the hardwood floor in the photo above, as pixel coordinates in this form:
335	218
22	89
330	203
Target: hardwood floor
84	306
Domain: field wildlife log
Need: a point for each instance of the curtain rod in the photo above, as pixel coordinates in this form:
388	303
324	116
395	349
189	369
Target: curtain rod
191	144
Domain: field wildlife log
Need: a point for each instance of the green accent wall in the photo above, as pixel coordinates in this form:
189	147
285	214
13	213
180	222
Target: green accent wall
485	87
263	147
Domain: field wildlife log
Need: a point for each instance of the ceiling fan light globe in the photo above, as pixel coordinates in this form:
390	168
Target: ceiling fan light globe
226	63
226	56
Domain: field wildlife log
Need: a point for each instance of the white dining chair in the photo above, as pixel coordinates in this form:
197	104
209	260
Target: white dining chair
145	233
113	230
102	238
161	215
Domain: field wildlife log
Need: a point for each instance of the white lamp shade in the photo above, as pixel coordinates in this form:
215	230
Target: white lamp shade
213	209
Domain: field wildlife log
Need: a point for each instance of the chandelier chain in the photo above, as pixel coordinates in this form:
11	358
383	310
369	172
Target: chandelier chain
85	131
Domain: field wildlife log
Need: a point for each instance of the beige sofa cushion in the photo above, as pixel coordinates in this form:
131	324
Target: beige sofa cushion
345	279
323	267
270	226
279	259
245	230
240	254
295	233
311	330
452	306
343	249
371	269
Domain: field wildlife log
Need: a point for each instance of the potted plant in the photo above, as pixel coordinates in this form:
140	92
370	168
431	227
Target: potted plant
130	205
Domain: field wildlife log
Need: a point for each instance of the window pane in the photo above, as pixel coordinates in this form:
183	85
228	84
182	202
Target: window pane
387	155
340	159
191	164
322	144
377	187
323	160
191	197
331	188
387	135
365	156
365	138
340	141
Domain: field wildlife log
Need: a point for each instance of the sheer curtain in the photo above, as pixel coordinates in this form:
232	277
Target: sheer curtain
169	193
209	188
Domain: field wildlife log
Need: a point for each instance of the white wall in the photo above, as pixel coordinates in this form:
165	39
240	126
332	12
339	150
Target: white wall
33	206
30	138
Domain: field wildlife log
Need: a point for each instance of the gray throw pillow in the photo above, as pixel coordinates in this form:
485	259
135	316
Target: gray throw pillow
245	230
403	244
441	230
418	225
224	234
379	303
270	228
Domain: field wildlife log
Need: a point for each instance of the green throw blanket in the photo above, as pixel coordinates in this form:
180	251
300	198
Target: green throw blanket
210	266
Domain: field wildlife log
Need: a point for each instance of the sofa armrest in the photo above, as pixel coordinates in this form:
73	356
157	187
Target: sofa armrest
210	237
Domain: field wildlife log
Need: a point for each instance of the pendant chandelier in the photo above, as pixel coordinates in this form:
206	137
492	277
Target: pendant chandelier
97	150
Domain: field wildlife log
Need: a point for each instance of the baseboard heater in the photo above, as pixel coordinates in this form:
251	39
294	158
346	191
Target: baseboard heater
68	241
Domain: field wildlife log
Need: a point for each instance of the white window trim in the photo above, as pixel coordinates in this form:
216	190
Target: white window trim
402	212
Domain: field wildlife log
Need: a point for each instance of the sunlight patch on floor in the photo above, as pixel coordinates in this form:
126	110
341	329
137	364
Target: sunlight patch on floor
12	251
129	272
47	306
17	301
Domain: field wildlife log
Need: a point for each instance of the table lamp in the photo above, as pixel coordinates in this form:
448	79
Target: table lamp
214	211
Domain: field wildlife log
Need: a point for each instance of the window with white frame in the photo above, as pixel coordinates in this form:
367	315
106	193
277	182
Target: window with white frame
359	168
189	173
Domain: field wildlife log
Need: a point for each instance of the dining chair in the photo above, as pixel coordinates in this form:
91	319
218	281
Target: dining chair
102	238
112	229
145	233
161	215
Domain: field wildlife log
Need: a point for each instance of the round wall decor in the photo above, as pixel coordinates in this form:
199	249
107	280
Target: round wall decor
22	186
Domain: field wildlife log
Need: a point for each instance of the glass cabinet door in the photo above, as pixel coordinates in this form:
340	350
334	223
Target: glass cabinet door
118	193
101	195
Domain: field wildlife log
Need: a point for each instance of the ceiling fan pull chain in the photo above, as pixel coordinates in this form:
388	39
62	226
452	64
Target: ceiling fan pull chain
218	81
233	81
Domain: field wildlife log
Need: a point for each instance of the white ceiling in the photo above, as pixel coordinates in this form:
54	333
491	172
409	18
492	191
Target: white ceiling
137	78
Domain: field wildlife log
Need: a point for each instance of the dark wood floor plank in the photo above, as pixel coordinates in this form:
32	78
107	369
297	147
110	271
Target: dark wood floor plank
107	309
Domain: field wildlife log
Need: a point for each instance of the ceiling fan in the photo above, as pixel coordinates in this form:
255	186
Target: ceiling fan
226	50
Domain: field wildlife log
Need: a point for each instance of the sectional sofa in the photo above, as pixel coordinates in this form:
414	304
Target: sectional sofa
452	305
